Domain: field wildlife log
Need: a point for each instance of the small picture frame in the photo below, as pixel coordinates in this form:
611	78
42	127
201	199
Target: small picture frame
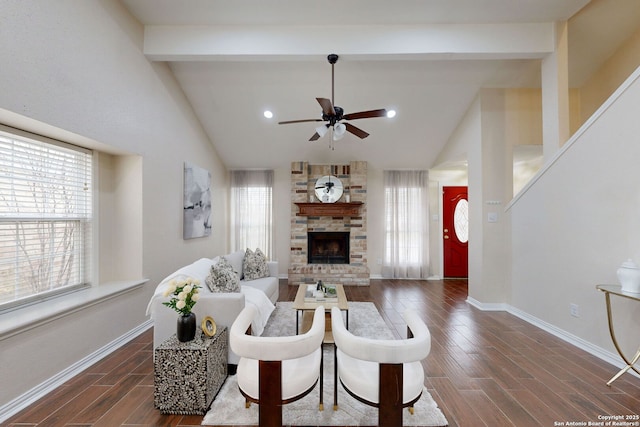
208	326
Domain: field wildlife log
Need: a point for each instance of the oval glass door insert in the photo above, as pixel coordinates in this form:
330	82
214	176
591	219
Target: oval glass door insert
461	221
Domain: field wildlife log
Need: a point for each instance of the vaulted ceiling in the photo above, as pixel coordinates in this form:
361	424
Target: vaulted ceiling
427	59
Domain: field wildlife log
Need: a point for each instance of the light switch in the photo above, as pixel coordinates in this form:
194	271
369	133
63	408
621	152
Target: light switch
492	217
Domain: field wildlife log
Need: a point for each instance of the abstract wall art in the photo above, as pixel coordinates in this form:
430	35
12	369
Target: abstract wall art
197	202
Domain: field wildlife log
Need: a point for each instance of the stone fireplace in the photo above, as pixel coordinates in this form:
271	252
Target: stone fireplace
340	254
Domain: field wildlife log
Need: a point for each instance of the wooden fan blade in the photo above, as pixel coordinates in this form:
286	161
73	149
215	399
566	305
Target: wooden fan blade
327	106
356	131
366	114
315	137
300	121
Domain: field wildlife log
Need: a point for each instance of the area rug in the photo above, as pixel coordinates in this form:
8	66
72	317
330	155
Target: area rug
228	408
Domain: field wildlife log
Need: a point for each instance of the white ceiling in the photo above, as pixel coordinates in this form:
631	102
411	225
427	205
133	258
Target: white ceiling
235	59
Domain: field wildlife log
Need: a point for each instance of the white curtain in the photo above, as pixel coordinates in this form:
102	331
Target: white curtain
406	209
251	210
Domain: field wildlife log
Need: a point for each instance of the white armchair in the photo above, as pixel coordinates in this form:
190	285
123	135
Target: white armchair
274	371
386	374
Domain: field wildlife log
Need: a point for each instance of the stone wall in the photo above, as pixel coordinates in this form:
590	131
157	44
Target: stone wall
354	180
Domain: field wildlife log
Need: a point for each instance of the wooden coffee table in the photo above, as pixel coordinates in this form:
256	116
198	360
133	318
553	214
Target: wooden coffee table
307	307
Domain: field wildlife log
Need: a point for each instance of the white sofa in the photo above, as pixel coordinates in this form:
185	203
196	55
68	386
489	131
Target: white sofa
222	307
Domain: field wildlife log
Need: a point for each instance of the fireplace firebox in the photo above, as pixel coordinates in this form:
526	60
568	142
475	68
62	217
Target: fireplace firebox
328	247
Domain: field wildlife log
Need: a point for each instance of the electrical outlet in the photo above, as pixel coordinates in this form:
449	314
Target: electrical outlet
574	310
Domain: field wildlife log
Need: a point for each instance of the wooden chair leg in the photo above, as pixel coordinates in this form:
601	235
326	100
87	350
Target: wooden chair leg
270	390
390	395
321	406
335	378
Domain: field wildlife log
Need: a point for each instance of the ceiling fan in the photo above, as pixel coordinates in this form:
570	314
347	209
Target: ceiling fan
334	115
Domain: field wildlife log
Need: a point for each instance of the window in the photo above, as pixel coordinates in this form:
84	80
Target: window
461	220
45	218
251	210
406	212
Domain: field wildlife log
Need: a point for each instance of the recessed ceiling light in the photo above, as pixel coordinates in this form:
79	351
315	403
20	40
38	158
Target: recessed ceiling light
268	114
391	113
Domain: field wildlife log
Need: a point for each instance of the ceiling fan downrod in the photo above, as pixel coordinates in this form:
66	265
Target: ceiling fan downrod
332	58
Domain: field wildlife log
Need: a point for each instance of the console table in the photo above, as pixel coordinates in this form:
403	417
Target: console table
617	290
188	375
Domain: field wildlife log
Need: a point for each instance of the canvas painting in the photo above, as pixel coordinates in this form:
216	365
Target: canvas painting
197	202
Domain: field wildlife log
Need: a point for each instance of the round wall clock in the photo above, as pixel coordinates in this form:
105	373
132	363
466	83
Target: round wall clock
329	189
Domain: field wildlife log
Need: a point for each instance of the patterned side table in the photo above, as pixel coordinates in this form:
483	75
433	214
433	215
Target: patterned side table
188	375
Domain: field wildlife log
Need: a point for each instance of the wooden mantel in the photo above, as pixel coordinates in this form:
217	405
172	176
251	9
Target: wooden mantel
329	209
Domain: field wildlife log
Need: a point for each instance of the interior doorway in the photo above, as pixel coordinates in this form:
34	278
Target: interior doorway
455	232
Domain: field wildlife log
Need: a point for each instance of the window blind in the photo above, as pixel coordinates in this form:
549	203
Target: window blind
45	217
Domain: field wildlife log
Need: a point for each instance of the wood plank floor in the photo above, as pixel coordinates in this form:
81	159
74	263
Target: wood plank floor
485	369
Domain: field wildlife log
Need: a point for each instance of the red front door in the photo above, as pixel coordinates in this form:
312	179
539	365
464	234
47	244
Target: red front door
455	231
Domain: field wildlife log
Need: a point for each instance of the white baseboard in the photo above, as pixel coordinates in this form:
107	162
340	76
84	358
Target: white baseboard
590	348
487	306
39	391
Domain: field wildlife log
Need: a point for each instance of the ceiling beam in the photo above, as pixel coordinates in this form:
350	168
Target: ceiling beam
443	41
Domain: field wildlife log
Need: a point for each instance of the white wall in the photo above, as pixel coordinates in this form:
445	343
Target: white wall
607	79
282	217
120	208
578	221
78	65
490	176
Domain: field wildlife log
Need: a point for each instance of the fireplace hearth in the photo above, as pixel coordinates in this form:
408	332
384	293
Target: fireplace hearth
328	247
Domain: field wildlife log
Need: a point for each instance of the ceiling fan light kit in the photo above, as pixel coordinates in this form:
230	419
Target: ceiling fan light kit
322	130
334	115
339	129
